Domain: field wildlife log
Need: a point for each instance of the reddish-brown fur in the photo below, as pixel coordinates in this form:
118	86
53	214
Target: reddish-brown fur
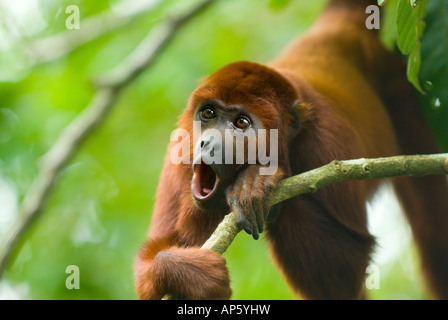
355	102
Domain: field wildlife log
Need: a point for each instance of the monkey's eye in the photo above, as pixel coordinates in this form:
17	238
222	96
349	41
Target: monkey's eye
242	123
208	113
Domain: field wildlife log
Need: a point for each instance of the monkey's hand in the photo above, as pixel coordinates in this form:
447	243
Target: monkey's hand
249	198
185	273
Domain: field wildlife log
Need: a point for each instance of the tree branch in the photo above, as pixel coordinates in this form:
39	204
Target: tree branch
334	172
82	126
55	46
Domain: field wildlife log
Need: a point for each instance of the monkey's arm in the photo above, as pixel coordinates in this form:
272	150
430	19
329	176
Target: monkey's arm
167	263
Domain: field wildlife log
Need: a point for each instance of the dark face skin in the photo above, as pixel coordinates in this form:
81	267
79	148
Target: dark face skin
215	162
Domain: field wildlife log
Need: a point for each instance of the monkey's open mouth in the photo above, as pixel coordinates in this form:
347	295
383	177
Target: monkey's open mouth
204	181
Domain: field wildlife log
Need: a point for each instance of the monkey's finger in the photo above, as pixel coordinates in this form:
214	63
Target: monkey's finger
241	220
260	215
251	213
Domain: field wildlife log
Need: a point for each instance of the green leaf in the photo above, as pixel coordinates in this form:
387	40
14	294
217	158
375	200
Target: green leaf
410	28
382	2
434	70
388	29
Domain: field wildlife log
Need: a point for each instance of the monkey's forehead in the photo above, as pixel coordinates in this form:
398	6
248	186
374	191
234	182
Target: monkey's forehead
249	84
252	79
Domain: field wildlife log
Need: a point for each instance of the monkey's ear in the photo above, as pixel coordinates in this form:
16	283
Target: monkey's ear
294	124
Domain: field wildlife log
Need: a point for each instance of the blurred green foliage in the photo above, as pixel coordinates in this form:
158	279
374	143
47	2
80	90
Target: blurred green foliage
99	212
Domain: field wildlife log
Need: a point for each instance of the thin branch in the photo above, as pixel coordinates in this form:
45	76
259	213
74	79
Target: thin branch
55	46
334	172
82	126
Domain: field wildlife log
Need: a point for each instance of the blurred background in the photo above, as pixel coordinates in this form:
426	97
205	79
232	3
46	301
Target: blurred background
100	210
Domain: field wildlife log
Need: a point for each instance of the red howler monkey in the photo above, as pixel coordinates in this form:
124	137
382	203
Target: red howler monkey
334	93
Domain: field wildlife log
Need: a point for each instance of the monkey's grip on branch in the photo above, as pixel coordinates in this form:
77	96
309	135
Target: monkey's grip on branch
334	172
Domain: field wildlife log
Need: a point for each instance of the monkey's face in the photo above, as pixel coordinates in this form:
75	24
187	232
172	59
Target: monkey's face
227	143
244	114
